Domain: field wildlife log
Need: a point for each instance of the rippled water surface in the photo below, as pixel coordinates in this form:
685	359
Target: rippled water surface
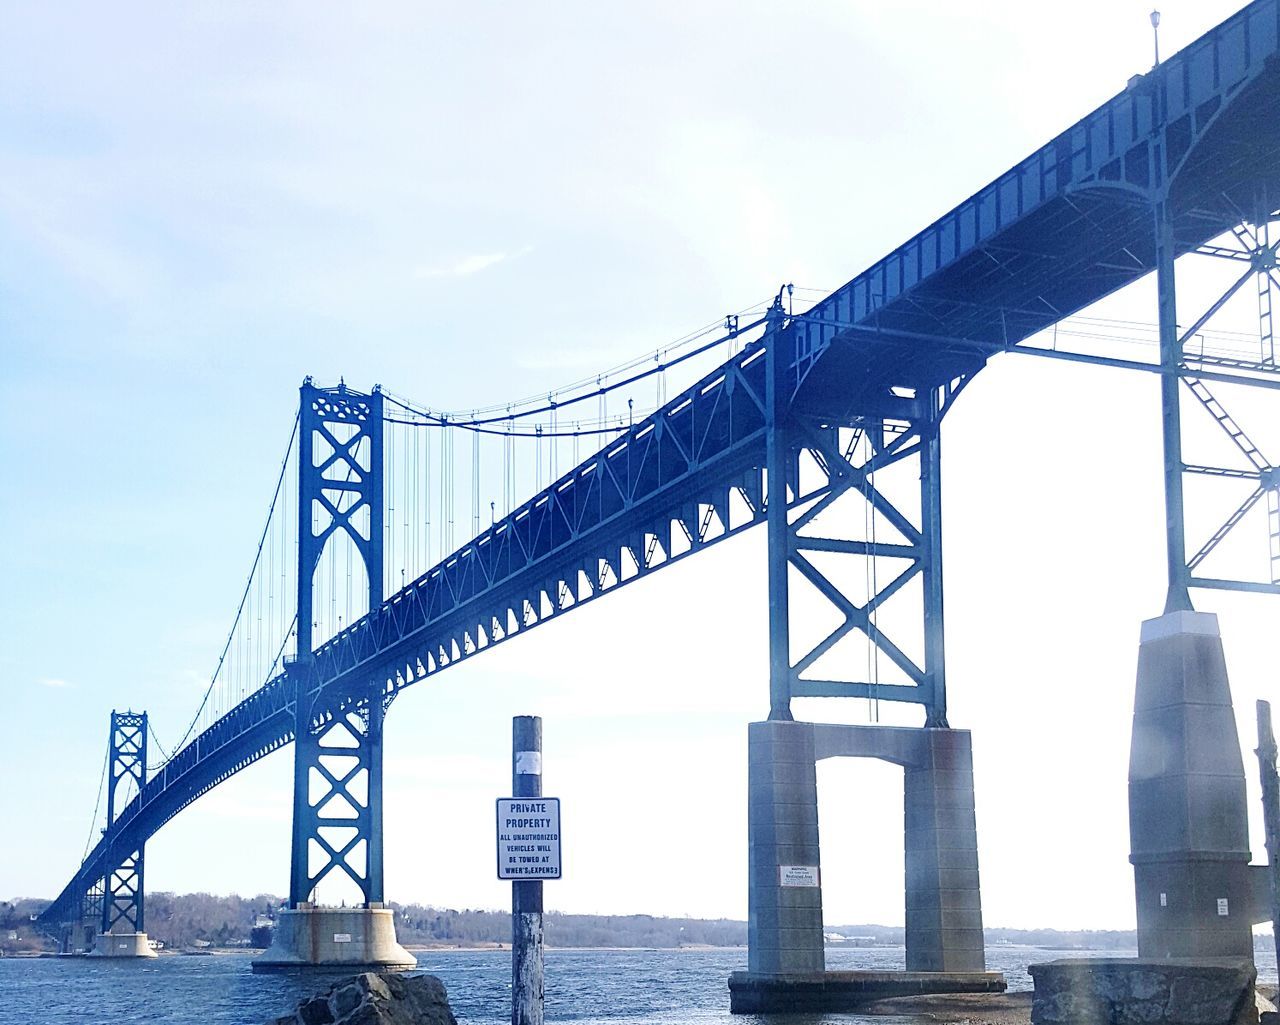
619	987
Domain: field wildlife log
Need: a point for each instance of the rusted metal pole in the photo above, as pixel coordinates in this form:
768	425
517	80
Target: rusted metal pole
526	894
1270	811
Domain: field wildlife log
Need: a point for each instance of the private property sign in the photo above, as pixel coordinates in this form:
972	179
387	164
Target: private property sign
528	838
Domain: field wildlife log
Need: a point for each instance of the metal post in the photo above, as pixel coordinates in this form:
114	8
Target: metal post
779	541
307	554
526	894
374	568
301	673
300	889
374	893
1270	810
931	524
1179	598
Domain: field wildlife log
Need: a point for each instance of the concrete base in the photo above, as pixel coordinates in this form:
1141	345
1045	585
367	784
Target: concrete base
1134	991
122	944
355	938
944	907
752	993
1188	825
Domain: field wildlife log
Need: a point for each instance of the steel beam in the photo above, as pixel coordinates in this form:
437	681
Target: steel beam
1177	598
777	449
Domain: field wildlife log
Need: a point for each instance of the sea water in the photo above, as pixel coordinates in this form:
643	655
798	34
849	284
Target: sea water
618	987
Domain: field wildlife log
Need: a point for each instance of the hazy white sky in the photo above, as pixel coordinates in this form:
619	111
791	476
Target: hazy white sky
202	204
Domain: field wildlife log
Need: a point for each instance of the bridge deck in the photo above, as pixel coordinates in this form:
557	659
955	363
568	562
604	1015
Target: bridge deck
1062	229
1065	227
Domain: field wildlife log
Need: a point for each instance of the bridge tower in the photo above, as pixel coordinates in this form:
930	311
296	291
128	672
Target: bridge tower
811	541
1188	818
337	780
122	931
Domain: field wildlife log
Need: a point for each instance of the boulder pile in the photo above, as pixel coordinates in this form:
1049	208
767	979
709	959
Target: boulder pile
386	998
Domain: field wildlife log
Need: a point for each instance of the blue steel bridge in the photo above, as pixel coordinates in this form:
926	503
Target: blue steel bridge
807	405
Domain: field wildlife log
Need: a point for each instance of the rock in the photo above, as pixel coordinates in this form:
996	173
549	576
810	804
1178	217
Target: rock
1123	991
377	999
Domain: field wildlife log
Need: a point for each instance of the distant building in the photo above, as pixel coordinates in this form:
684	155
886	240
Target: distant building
851	941
11	934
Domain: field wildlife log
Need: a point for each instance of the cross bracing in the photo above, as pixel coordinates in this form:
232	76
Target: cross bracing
1197	139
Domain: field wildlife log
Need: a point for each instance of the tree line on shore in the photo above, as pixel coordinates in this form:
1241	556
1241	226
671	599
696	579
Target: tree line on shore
200	919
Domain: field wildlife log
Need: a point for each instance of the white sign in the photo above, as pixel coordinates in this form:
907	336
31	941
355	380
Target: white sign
342	937
798	875
528	763
1164	900
1222	907
528	838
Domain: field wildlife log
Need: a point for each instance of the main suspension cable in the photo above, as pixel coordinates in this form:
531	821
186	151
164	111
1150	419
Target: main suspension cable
244	596
430	419
97	804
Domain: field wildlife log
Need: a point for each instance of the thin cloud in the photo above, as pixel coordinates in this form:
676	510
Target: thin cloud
470	264
54	683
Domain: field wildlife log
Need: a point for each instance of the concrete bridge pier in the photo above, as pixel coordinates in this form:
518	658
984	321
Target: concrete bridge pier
122	944
1197	895
784	927
310	936
1188	818
786	956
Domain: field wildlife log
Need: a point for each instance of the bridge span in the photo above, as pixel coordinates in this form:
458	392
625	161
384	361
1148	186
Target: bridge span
1182	164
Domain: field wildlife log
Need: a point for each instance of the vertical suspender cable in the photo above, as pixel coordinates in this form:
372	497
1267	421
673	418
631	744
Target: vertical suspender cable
406	551
426	503
389	486
475	483
555	462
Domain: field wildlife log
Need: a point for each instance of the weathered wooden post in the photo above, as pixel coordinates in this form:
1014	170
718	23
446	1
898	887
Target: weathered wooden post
1270	810
528	852
526	894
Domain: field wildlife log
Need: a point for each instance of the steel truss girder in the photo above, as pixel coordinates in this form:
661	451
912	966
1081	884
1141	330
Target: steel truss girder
122	899
662	491
91	905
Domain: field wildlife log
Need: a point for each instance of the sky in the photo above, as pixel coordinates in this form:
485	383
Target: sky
202	204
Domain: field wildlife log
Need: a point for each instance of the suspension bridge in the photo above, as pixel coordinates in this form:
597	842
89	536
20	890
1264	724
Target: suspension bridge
402	539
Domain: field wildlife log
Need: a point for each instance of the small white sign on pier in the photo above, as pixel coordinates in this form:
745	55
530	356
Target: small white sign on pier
798	875
528	838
